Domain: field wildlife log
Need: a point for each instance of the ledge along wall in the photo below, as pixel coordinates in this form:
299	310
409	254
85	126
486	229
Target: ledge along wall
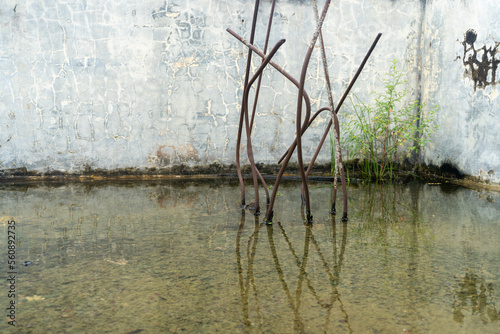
140	84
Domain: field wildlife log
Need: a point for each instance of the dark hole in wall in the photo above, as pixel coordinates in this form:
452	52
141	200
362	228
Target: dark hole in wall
448	169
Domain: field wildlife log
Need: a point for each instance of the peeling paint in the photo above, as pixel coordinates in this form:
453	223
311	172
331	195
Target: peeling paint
188	62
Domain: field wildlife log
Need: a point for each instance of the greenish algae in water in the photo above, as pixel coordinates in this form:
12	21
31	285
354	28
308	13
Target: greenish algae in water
182	257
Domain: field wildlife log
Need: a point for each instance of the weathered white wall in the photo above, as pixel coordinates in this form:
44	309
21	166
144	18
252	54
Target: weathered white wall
114	84
469	120
111	84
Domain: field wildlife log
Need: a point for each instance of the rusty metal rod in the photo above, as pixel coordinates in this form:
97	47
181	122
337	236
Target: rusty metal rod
316	114
240	125
351	84
337	109
339	105
358	72
247	122
299	109
341	166
269	212
317	151
342	174
286	75
300	127
257	91
307	101
338	151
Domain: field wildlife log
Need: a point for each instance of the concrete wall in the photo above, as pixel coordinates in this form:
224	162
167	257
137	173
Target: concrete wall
115	84
457	35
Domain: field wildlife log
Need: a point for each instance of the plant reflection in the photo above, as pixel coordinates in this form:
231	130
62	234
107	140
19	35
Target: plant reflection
385	210
297	300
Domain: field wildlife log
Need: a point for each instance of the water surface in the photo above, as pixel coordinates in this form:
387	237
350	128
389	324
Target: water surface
178	257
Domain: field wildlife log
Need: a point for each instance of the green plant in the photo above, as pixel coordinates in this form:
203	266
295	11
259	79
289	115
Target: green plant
382	135
270	188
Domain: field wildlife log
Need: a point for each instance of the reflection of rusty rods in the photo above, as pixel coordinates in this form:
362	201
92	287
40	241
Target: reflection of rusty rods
301	127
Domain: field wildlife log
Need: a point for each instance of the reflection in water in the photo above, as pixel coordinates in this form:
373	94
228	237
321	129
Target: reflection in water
473	294
162	258
249	289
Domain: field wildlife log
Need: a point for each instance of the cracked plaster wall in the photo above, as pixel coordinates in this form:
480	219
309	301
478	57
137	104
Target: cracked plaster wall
114	84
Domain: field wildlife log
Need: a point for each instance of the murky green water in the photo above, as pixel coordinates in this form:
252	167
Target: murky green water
182	257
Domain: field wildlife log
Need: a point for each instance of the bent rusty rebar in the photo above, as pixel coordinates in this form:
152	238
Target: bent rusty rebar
337	109
348	90
340	168
301	125
269	213
257	91
247	122
240	125
316	114
257	88
342	172
338	152
287	75
307	120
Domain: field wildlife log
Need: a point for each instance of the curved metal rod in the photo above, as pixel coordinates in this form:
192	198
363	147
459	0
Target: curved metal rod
351	84
240	125
341	164
269	213
320	143
316	114
247	122
337	109
307	101
338	151
330	98
257	91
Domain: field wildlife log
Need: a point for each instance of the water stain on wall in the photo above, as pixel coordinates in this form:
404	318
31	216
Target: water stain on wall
481	63
167	155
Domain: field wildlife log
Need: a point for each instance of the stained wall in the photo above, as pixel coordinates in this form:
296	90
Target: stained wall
459	72
117	84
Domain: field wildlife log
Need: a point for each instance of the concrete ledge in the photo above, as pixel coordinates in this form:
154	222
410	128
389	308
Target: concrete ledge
321	173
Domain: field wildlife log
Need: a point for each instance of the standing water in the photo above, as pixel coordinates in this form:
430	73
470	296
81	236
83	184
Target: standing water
171	257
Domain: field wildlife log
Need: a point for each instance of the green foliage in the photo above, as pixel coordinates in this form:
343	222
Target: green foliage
382	135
